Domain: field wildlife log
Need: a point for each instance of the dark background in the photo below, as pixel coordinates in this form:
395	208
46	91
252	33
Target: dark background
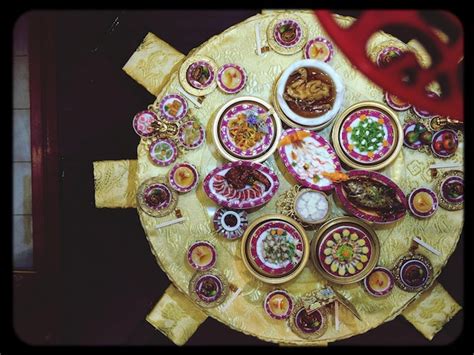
109	278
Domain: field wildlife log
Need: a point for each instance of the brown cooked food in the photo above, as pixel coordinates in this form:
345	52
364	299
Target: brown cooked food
309	92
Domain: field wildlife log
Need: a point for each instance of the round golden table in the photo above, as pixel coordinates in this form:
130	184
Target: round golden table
246	313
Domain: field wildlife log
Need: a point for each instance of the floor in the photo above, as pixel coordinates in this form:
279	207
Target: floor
110	279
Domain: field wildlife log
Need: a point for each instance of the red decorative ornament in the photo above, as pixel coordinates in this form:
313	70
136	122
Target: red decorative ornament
403	76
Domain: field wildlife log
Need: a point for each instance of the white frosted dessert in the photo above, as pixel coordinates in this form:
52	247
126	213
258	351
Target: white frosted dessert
312	206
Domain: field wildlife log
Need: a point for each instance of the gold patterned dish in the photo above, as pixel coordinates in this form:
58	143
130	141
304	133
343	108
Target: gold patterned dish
278	304
450	190
367	136
183	177
246	128
319	48
308	325
202	255
413	272
275	248
156	198
197	75
208	288
380	282
231	78
345	250
287	34
309	93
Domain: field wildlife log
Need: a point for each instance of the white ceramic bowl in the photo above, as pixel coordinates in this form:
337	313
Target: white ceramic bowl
304	120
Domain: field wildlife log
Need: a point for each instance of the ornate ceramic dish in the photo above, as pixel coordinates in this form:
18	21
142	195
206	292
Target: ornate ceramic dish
208	288
265	260
367	135
287	34
231	224
173	107
253	194
246	128
183	177
387	54
450	190
319	48
379	282
231	78
437	144
413	272
191	135
345	250
202	255
155	197
317	120
395	102
143	124
202	67
410	127
307	155
278	304
422	202
163	151
308	325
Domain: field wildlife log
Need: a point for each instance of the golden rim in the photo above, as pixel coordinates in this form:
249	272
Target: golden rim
396	272
287	50
370	265
315	335
322	220
224	283
245	258
150	211
184	82
450	206
276	139
391	155
288	121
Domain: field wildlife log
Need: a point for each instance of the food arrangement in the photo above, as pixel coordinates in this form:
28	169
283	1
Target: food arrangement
163	152
183	177
231	78
422	202
202	255
173	107
231	224
379	282
278	304
319	48
312	206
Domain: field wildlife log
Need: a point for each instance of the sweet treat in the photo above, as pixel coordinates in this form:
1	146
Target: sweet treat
202	255
380	282
312	206
278	304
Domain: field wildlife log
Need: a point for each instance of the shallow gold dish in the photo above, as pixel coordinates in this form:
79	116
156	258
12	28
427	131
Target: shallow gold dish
253	266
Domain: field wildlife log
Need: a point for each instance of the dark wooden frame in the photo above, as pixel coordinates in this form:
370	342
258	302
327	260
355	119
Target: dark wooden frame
43	280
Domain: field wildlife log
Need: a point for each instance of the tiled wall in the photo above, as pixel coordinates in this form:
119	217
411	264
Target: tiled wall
22	220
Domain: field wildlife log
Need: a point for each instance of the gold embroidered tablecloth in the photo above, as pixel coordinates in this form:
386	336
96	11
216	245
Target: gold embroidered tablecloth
245	313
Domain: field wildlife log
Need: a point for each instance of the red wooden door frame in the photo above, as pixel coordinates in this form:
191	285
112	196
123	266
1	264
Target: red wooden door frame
37	294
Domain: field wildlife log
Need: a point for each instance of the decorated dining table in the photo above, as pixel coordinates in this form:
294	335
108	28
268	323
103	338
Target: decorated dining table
283	193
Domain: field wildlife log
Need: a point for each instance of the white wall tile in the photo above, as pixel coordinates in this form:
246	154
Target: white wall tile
20	35
21	188
21	135
21	93
22	242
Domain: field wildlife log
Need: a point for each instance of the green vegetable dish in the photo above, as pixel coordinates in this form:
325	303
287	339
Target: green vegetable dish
368	135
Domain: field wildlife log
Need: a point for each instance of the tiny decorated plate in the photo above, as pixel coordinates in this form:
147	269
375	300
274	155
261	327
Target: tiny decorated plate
173	107
423	113
208	288
191	135
414	136
311	207
278	304
287	34
241	185
183	177
372	197
231	78
387	54
319	48
308	325
413	272
202	255
156	198
163	152
231	224
367	135
345	250
422	202
445	143
143	124
395	102
308	156
197	75
450	190
246	128
379	282
275	248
